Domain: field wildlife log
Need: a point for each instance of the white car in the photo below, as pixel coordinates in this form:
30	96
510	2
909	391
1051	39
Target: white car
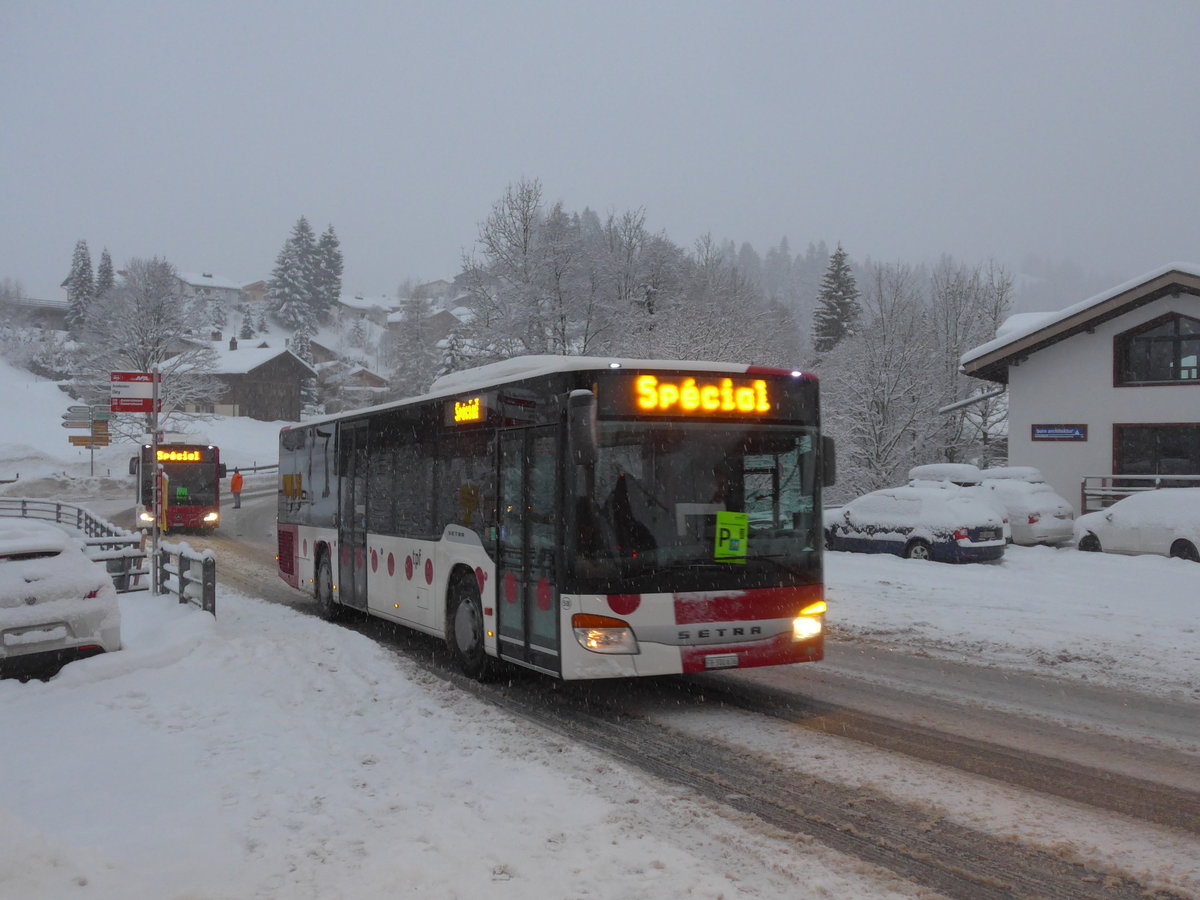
56	604
961	477
1037	513
1164	521
917	523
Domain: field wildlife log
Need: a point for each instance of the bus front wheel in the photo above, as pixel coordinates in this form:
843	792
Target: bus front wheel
327	606
464	631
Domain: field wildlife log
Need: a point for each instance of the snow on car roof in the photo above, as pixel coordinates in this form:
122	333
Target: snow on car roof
18	535
956	472
1014	473
1177	507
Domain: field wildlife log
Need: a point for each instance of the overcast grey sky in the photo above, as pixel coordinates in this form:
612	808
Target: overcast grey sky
988	130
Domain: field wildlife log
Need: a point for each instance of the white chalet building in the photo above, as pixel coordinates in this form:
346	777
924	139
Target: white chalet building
1109	386
206	286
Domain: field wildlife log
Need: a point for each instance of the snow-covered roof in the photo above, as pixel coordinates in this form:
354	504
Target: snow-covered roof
246	359
207	279
1026	333
365	303
1023	323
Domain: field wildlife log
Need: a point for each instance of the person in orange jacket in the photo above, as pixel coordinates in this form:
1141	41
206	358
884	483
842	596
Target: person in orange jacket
235	485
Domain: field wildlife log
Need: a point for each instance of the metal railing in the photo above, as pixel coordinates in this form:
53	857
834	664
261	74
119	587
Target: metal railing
1102	491
189	575
178	570
120	550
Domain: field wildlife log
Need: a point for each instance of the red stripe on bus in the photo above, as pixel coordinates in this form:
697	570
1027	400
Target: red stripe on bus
745	606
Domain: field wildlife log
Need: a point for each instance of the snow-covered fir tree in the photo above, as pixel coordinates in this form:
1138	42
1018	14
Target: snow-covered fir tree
838	308
301	345
415	354
307	278
329	265
216	312
246	332
105	277
81	287
358	334
291	280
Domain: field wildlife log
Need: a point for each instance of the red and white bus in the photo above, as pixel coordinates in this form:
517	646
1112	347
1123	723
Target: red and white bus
587	518
191	483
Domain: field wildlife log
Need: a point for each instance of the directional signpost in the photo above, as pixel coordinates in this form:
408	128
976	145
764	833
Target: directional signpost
93	418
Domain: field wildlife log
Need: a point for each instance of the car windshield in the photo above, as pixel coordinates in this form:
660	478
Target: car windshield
696	507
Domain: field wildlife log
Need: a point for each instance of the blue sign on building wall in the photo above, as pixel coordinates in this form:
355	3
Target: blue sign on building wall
1059	432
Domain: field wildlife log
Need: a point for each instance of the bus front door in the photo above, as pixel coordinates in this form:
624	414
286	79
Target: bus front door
528	547
352	518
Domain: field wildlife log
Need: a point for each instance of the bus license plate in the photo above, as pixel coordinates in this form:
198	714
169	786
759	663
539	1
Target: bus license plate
721	661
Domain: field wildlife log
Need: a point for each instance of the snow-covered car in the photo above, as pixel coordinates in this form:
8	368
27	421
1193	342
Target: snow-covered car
1164	521
56	604
917	523
1037	513
960	477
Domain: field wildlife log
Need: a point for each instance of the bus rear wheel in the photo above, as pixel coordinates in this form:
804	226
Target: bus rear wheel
464	629
327	606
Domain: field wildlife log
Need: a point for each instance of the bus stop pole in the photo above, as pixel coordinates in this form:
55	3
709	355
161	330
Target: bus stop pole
158	497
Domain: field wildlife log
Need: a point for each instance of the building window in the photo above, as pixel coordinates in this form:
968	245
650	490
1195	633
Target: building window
1156	449
1163	351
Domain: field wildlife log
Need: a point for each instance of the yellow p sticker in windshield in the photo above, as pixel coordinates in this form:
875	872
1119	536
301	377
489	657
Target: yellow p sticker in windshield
729	543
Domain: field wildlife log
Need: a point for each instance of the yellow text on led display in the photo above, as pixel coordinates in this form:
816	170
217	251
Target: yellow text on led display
691	396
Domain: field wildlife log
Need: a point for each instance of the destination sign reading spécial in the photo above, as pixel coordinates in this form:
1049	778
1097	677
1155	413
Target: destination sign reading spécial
466	410
179	456
698	395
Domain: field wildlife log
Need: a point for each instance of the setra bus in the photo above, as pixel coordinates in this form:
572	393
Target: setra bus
587	518
191	483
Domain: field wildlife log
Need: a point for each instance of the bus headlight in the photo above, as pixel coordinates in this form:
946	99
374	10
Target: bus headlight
603	634
810	622
211	517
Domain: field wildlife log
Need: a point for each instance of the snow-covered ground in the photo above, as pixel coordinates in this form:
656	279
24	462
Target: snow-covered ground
266	753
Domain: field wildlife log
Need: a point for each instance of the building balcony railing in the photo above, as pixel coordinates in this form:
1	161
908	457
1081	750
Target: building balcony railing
1101	491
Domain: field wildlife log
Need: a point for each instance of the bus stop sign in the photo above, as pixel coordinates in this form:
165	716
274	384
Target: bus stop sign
132	392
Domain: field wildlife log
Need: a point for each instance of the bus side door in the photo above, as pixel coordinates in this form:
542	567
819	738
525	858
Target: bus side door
528	547
352	518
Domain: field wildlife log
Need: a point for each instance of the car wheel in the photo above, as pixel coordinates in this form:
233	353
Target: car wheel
1089	543
327	606
918	550
1185	550
464	631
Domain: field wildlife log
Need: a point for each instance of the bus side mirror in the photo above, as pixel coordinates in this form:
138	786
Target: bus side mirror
133	464
220	470
581	427
828	462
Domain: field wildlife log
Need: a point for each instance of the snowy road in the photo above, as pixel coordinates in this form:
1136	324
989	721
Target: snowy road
958	741
990	777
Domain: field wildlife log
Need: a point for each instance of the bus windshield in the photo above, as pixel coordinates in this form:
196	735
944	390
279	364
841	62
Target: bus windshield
691	506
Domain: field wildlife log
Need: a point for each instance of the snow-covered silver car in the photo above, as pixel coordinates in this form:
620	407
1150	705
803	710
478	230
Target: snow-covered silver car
56	604
1164	521
1037	513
